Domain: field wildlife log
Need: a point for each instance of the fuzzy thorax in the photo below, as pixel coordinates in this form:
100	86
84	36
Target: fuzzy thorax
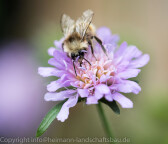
73	44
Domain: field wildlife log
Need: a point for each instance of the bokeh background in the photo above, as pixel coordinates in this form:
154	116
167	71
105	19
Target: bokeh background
28	28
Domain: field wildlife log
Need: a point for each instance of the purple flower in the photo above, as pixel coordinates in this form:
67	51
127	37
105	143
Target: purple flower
107	77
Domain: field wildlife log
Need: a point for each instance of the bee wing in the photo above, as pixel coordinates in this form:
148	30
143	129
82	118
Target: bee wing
67	25
83	22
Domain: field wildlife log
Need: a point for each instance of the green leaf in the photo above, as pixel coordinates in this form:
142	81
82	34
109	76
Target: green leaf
113	105
48	119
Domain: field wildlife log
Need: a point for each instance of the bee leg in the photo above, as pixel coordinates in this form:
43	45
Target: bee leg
80	64
87	61
100	42
74	67
91	46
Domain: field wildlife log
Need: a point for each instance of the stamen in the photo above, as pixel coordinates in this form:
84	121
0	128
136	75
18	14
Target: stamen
82	68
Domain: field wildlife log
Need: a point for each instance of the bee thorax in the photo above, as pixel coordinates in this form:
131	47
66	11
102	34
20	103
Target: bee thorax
74	45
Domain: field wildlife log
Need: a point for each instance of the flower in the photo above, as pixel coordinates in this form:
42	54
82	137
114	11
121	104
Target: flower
107	76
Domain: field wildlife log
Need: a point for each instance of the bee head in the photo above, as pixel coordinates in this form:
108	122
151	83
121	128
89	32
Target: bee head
79	55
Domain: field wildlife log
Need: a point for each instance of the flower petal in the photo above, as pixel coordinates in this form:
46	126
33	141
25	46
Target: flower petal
59	73
109	97
128	73
55	85
57	64
83	92
47	71
131	52
60	55
58	44
110	50
139	62
100	90
51	51
64	112
103	78
106	36
98	95
122	65
122	100
121	50
127	86
103	32
58	96
92	100
107	64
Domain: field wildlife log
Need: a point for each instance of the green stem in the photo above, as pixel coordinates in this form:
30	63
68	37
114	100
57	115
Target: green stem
104	120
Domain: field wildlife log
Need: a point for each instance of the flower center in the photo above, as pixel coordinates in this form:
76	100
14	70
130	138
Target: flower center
99	72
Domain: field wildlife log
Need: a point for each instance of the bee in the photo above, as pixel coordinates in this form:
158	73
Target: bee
78	36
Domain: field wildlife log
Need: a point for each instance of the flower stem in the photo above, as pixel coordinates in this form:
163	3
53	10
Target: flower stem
104	120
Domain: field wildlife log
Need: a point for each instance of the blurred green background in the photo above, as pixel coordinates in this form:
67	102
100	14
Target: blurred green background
28	28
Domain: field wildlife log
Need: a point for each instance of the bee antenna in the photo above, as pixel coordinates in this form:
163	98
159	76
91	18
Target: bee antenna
84	51
87	61
74	67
